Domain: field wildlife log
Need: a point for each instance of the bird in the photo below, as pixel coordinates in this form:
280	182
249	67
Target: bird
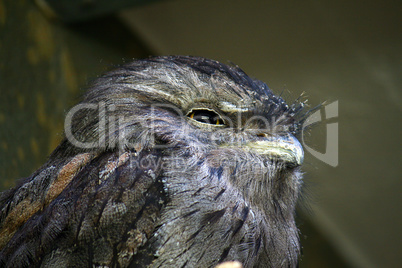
167	161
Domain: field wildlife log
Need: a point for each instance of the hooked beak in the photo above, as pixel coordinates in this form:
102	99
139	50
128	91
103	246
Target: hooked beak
283	148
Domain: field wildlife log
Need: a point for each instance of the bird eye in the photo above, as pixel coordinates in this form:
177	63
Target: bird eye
206	116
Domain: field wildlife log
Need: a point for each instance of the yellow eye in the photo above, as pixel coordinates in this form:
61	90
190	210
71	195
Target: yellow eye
206	116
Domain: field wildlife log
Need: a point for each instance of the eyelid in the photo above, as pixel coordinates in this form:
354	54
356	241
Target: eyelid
206	114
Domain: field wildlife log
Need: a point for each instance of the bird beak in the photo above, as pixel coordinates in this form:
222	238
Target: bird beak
285	148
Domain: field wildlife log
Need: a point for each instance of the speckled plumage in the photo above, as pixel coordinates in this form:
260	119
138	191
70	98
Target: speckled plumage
149	182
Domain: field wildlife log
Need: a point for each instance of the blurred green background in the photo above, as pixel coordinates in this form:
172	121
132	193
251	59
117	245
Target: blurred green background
345	51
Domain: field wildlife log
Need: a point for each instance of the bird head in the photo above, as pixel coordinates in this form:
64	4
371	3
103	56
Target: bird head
191	106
